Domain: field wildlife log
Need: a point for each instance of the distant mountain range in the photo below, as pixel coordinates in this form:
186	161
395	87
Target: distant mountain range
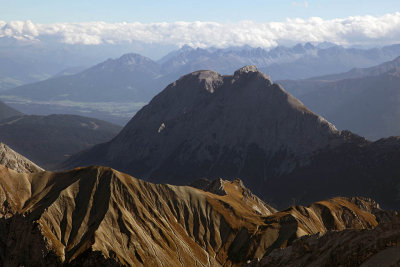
23	62
298	62
117	88
366	101
124	79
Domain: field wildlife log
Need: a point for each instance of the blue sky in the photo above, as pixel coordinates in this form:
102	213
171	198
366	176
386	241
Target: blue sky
146	11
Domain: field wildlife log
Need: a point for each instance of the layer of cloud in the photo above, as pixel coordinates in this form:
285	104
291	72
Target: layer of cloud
357	30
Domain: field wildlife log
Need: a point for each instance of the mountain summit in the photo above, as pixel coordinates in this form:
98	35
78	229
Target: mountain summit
209	125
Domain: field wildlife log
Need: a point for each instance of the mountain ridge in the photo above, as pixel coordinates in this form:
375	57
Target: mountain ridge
97	215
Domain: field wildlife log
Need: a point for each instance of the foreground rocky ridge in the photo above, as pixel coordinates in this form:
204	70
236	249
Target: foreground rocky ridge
96	215
365	248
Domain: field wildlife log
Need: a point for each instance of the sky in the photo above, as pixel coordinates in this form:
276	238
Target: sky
205	23
223	11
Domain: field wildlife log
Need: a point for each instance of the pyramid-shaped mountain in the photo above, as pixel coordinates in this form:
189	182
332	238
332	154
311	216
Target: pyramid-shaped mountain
209	125
130	77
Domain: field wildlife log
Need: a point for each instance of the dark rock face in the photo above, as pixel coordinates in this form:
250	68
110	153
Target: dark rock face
208	125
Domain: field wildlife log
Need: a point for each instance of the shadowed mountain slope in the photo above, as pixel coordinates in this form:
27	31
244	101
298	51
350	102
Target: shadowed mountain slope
208	125
96	215
49	140
358	167
7	112
365	101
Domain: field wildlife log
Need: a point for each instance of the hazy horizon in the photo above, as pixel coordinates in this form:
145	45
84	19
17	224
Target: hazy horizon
158	27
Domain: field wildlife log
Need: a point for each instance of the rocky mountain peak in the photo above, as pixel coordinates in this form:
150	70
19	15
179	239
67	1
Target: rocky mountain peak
246	69
249	72
132	59
210	80
214	126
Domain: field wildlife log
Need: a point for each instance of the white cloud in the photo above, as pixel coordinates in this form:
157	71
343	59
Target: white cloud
357	30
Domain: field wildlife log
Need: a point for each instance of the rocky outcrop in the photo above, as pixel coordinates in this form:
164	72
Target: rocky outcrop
220	187
362	247
15	161
99	216
209	125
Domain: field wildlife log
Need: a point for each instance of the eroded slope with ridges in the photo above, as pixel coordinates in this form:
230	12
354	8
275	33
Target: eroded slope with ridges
97	215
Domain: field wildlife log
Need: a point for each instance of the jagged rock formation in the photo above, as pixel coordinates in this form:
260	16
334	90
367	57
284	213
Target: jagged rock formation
15	161
99	216
209	125
50	140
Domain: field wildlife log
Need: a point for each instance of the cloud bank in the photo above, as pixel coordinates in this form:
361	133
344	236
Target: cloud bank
357	30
